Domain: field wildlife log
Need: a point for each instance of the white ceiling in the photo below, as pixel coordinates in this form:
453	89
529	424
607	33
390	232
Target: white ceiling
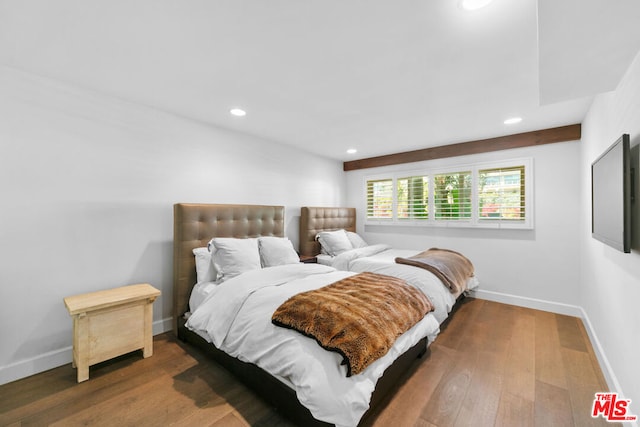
326	75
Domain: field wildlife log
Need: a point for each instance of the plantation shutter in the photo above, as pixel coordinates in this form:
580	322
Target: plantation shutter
493	195
452	196
501	194
413	197
380	199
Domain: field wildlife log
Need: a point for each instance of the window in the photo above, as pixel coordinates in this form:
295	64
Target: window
501	194
491	195
452	198
413	197
380	199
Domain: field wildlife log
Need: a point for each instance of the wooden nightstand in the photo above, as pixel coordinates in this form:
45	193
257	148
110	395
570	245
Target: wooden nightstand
308	259
110	323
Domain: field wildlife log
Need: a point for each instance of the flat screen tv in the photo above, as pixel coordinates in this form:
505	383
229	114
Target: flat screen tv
611	196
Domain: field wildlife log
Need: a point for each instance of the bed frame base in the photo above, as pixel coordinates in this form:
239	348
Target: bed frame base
283	398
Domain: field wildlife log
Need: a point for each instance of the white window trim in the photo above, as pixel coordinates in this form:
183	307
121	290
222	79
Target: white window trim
474	221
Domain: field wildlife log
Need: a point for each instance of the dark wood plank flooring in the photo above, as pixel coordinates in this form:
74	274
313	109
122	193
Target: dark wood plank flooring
492	365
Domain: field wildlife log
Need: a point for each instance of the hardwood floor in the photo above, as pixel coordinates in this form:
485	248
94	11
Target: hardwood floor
493	365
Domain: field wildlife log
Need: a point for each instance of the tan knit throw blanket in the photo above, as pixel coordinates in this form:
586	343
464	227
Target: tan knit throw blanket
359	317
453	268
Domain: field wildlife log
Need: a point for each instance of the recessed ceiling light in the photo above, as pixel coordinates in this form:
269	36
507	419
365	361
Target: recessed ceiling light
238	112
352	151
513	120
474	4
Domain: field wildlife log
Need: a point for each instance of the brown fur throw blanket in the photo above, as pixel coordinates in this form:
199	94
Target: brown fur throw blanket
453	268
359	317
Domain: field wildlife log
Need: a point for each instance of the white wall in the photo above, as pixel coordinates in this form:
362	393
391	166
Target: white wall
88	183
610	280
539	264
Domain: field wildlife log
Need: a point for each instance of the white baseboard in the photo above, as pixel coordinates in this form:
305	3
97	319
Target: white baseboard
55	358
559	308
34	365
537	304
162	326
609	375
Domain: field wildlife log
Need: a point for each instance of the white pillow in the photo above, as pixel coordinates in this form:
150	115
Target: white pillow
277	251
205	270
233	257
334	242
356	240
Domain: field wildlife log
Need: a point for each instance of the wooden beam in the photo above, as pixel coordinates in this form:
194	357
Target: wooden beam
526	139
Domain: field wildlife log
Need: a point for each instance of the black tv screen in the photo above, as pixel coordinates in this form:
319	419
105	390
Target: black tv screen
611	196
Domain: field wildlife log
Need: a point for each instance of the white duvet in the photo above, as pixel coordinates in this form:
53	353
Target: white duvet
381	259
377	253
236	317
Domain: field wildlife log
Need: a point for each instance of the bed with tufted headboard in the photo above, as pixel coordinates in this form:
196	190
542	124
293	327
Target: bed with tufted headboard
194	226
316	219
381	258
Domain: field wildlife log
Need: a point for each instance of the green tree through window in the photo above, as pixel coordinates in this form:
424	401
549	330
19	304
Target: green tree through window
452	196
413	197
488	195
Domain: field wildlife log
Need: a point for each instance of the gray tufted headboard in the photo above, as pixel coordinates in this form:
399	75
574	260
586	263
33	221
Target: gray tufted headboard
316	219
195	224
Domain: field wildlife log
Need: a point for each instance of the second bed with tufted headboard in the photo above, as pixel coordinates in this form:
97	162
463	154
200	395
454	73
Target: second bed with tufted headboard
316	219
379	258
